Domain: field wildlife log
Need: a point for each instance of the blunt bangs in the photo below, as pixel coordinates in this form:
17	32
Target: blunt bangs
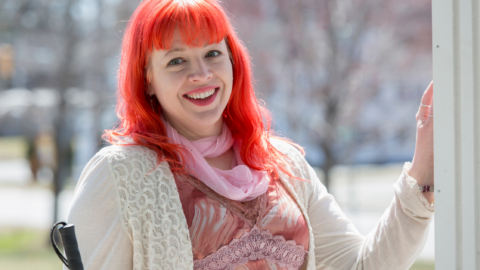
199	23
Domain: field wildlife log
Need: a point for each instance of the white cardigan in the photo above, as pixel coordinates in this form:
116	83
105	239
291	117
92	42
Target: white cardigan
128	215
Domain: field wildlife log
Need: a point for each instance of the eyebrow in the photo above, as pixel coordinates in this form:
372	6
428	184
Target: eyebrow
175	50
182	49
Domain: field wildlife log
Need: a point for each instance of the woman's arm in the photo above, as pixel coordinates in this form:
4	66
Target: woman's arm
95	212
393	244
422	163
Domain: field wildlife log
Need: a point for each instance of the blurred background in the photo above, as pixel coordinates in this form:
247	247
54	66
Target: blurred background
343	78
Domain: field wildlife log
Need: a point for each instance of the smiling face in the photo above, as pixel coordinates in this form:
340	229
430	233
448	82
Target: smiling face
193	86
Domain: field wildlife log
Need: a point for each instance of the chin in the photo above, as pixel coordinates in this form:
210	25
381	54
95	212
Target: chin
207	119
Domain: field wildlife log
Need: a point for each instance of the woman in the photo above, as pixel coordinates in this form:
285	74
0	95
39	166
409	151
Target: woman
195	180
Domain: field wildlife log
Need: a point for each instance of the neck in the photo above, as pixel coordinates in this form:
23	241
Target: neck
196	132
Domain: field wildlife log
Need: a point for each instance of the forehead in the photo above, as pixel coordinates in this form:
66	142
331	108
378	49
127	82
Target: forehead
178	44
179	41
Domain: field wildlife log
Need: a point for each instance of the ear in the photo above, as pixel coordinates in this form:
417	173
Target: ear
229	52
148	76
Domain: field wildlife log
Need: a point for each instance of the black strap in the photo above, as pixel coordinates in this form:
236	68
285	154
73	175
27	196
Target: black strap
54	245
73	260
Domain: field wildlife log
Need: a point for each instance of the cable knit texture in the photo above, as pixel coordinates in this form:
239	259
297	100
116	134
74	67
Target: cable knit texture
151	209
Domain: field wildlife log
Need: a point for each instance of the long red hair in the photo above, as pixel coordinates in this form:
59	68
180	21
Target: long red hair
199	21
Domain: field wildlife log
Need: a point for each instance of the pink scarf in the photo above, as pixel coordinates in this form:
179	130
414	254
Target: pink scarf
239	184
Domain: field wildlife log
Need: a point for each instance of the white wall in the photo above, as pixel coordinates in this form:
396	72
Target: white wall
456	75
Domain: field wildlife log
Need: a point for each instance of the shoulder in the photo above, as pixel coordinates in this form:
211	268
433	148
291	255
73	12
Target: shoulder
285	147
296	162
131	157
127	152
113	162
304	186
95	189
132	165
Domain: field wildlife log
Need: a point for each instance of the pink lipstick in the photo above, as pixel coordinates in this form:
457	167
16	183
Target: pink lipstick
202	96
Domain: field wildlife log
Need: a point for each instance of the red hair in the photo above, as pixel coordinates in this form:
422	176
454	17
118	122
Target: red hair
200	21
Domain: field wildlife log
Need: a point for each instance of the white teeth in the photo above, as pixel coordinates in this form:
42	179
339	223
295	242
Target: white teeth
202	95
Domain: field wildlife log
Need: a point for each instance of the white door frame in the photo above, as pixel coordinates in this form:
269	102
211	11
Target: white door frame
456	76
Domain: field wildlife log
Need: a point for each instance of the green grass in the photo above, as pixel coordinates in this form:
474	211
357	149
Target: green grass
13	147
421	265
22	249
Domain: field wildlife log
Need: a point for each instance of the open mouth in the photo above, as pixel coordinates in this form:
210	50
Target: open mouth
202	99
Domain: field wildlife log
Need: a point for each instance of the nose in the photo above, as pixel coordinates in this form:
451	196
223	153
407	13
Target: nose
200	72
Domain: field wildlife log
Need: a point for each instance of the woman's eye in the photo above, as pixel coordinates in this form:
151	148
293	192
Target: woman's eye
175	61
213	53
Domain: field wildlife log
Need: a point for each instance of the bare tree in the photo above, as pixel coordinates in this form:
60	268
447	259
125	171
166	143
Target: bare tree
320	62
65	44
317	63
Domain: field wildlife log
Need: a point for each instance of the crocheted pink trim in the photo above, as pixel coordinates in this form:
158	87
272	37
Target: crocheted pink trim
255	245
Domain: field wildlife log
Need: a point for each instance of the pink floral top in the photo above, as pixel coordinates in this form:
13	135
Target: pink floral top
268	232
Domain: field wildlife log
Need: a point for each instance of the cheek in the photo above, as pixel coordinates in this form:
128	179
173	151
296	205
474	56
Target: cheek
167	89
226	72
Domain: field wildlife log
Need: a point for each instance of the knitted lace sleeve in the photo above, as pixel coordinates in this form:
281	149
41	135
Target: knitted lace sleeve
95	212
151	210
127	213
